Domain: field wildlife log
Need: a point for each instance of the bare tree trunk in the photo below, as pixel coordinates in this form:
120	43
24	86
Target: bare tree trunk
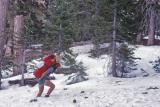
9	49
18	47
3	12
150	11
152	19
139	38
114	73
151	32
96	45
60	45
97	7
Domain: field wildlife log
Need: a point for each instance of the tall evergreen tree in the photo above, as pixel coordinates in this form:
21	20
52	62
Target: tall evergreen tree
124	29
59	27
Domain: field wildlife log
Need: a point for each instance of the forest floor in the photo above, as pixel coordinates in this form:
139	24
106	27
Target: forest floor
99	91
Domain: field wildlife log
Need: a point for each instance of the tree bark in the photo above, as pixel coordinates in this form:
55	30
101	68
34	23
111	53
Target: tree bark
114	73
18	46
96	46
152	19
3	13
151	33
60	44
139	38
27	81
9	48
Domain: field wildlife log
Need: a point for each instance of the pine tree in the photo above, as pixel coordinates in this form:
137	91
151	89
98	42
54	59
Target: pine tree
124	30
125	60
156	65
59	28
60	33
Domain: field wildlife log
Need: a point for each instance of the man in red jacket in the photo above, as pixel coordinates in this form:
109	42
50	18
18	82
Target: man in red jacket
42	74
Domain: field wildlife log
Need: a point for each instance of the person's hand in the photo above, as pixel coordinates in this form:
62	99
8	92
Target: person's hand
58	71
53	60
38	79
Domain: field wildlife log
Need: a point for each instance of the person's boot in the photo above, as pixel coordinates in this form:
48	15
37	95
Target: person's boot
46	95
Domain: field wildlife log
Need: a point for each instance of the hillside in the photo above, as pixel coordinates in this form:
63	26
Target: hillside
100	90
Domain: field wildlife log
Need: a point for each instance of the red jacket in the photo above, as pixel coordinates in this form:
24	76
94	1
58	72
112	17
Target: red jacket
47	63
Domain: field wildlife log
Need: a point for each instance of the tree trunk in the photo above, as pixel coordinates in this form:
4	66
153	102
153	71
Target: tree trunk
3	12
139	38
96	45
97	8
152	25
9	49
60	44
18	47
27	81
151	33
114	73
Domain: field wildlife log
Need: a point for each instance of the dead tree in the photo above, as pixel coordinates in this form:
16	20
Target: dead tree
27	81
3	12
18	47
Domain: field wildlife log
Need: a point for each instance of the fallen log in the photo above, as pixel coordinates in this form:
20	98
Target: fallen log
27	81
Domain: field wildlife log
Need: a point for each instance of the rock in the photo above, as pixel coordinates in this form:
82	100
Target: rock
82	92
65	89
144	92
118	81
33	100
145	75
74	101
154	88
85	97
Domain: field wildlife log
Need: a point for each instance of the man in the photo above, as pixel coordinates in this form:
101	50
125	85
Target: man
42	74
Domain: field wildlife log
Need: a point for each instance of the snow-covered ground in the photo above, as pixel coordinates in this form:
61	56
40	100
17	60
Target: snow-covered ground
147	54
99	91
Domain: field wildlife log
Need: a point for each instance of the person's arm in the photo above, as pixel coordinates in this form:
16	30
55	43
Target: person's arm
56	67
58	71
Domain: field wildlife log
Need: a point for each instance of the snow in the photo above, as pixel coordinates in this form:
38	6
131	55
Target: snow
38	63
7	73
95	66
99	91
157	37
147	54
82	49
86	48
